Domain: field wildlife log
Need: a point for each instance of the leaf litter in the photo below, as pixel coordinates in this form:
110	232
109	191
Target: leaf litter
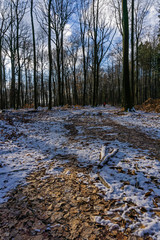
51	161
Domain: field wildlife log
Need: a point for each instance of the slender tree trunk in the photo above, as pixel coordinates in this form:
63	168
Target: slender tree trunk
137	72
42	78
18	61
4	93
22	94
50	55
1	77
12	49
132	52
97	83
67	93
59	74
62	70
84	74
54	92
112	80
95	58
83	33
13	95
19	82
126	84
119	83
26	90
75	99
42	85
34	53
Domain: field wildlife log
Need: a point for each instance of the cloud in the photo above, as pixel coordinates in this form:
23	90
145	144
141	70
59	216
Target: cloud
68	30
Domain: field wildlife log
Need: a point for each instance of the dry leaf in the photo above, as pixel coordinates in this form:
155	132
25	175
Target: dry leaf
147	194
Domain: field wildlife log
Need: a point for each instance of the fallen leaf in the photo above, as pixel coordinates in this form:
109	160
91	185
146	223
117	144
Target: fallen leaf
147	194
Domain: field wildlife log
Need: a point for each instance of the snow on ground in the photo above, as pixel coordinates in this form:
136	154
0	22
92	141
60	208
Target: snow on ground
20	156
132	175
146	122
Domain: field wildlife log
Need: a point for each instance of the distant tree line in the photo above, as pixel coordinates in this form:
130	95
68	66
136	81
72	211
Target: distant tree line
57	52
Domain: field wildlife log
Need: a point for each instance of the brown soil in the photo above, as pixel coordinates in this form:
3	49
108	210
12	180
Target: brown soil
59	207
134	136
64	206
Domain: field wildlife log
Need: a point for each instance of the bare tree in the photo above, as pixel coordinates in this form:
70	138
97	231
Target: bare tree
11	52
19	10
116	5
61	12
34	54
49	54
141	11
101	38
4	25
72	59
132	50
127	103
42	55
83	14
44	15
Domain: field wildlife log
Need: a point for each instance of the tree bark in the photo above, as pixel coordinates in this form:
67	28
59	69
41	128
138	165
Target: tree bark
62	70
127	104
1	77
50	55
75	84
34	60
18	59
12	50
95	57
132	52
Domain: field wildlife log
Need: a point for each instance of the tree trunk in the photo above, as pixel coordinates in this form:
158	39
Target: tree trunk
42	85
84	74
34	53
12	49
18	61
1	77
75	99
62	70
50	55
132	52
137	72
95	57
126	84
58	73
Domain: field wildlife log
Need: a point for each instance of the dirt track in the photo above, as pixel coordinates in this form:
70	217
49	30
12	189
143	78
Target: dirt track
65	206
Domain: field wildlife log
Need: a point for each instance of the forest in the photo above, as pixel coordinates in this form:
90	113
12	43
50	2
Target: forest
56	53
79	120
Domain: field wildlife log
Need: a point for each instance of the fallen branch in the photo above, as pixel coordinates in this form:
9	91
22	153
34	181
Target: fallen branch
103	152
105	158
104	182
154	210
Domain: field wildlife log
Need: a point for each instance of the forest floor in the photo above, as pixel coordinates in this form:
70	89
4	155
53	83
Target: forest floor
51	184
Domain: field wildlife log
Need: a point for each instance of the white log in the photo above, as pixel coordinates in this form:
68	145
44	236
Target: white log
108	156
103	152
